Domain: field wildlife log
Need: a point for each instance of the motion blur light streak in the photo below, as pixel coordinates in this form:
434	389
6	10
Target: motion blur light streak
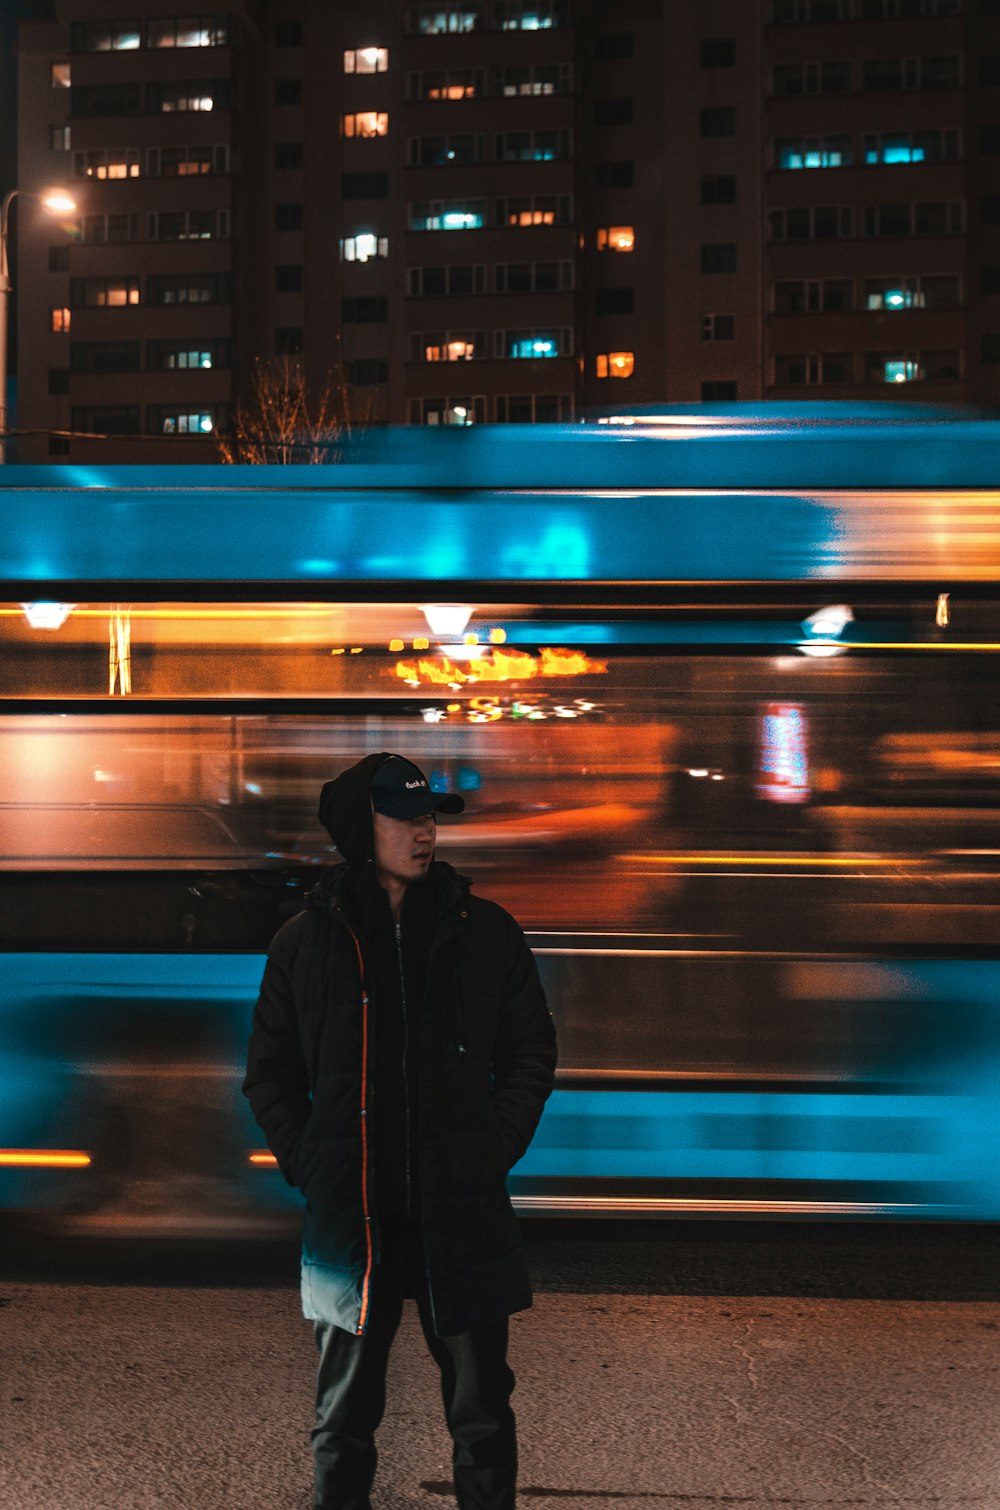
263	1160
43	1158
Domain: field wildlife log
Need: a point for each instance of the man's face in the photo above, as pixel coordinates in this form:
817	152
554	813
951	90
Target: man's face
404	847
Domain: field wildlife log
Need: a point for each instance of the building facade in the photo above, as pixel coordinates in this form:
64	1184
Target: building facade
502	210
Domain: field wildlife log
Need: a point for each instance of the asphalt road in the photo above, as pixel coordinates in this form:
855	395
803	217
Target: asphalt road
675	1364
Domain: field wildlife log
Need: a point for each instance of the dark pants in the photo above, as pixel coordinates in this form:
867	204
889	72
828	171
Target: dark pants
476	1385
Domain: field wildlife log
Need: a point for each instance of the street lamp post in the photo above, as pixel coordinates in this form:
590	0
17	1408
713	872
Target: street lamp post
57	202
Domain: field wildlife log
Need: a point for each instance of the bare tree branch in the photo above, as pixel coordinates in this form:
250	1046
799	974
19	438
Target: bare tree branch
283	423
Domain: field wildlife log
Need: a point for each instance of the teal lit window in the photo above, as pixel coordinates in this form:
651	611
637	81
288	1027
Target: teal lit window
901	371
447	215
531	343
814	152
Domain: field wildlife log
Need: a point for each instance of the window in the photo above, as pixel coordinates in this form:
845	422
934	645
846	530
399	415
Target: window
717	52
534	408
613	301
911	73
911	147
823	222
288	154
365	246
619	175
912	366
189	225
288	34
901	293
364	185
718	327
114	162
288	278
617	112
192	355
615	364
184	421
59	258
929	219
91	100
112	229
906	10
532	146
105	36
448	411
534	79
366	60
366	123
534	209
196	95
718	257
447	345
717	120
117	419
791	12
189	31
718	391
440	151
613	44
825	367
288	217
518	345
533	277
59	138
447	214
990	348
105	356
188	288
289	341
718	188
59	319
436	282
530	15
447	84
367	372
447	16
58	379
370	311
60	76
813	296
616	238
788	79
288	91
813	152
103	293
186	162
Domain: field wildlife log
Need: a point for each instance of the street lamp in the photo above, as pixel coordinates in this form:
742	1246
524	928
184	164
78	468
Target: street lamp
57	202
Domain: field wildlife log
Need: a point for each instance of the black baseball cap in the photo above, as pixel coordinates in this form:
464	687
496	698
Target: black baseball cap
401	790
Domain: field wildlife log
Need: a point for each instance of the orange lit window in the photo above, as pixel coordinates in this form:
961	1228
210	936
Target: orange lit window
60	76
367	123
616	238
616	364
60	319
531	217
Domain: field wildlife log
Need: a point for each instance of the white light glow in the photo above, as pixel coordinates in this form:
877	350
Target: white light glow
447	618
47	615
828	622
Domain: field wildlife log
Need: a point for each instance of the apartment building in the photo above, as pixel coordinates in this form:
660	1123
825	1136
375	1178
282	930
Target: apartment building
503	210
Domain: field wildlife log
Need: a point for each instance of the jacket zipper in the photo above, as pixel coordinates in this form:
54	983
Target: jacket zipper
366	1282
406	1055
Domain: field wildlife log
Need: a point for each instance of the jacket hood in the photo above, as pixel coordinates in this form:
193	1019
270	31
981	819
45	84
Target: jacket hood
345	810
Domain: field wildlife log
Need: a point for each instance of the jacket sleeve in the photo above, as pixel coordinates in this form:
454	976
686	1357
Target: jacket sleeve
524	1056
277	1082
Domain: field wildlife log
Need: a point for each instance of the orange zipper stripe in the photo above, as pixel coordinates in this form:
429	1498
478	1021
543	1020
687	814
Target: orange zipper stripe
366	1282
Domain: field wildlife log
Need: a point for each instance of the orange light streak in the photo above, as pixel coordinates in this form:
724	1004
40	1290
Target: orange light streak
263	1160
44	1158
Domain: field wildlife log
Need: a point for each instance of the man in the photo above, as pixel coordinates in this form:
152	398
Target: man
400	1058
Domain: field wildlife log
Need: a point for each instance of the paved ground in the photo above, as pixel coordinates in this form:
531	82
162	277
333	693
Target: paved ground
180	1389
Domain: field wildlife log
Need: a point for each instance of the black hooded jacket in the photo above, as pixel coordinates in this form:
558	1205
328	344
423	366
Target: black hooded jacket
480	1060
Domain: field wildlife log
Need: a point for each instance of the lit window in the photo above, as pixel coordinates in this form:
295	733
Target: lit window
60	76
448	346
813	152
60	320
437	20
120	163
194	422
616	238
901	371
528	343
894	298
447	411
447	215
366	60
364	247
367	123
187	360
617	364
191	31
531	15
